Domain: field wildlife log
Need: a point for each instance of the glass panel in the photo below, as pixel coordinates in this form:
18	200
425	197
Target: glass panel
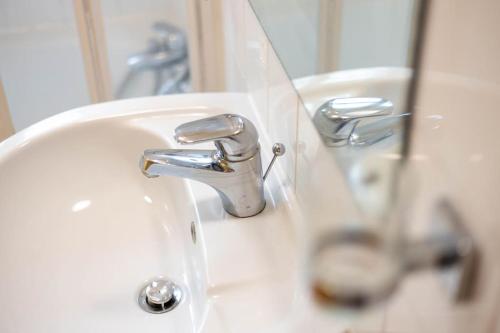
353	63
147	46
41	64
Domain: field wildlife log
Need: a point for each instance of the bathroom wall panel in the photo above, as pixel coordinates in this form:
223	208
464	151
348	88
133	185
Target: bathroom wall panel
462	168
282	114
234	36
41	63
454	153
253	67
307	166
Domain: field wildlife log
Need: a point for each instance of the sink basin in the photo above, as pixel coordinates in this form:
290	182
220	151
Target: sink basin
82	230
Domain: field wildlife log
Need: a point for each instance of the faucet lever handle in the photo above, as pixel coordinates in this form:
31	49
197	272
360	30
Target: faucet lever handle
235	135
353	108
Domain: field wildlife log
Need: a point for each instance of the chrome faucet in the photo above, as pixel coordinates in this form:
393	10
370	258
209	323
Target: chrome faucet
233	169
166	57
339	120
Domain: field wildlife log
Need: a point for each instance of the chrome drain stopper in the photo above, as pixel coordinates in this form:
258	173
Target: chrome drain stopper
159	296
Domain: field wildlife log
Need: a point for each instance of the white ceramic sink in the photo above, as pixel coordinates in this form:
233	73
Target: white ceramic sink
81	229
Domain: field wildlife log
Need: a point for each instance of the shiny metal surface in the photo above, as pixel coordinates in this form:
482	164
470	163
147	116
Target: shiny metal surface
278	150
235	136
168	46
166	57
356	268
378	130
159	296
159	292
338	118
234	169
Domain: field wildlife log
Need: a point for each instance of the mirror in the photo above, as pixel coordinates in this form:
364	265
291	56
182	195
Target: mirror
353	64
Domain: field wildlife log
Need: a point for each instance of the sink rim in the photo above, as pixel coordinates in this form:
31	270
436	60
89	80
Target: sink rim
124	108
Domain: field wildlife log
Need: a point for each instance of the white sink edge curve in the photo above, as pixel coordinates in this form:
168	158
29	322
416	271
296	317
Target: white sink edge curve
274	230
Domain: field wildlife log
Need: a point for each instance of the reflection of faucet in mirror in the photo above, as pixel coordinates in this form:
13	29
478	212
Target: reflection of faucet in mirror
338	119
166	57
362	132
355	78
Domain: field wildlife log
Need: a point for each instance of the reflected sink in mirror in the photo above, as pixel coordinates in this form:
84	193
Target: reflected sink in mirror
370	166
355	72
82	230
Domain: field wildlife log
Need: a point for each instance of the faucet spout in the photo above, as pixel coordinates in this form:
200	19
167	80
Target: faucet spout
239	185
185	163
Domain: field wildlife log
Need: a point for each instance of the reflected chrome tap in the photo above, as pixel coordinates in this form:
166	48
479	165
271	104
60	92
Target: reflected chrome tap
166	57
234	169
338	120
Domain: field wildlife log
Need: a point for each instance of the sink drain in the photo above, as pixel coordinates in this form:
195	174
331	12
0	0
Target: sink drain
159	296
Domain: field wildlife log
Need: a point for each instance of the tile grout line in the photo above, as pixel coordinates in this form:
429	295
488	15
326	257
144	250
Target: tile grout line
266	76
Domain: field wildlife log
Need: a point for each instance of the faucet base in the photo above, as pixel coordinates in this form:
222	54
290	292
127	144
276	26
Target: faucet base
240	216
242	188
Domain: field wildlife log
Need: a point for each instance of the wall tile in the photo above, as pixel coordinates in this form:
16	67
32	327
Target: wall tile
236	8
321	189
234	46
255	62
282	113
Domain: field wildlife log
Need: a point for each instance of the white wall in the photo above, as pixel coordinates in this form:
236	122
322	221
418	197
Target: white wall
456	155
41	65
